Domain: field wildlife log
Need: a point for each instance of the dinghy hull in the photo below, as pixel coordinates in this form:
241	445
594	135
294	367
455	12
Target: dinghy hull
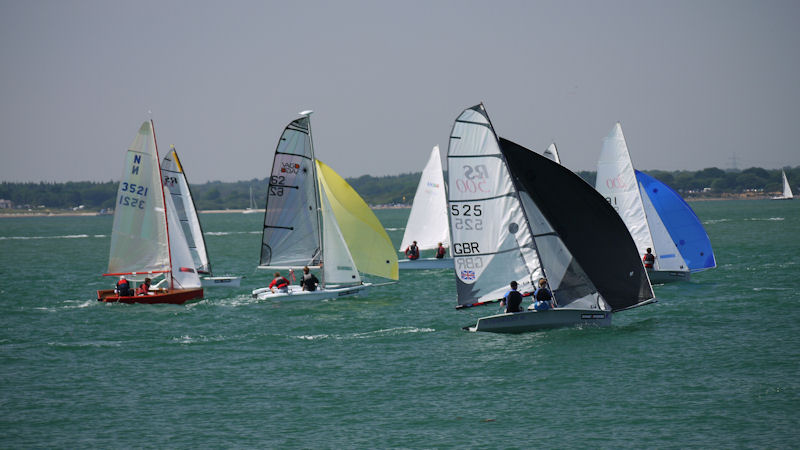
667	276
222	281
425	263
296	293
174	296
526	321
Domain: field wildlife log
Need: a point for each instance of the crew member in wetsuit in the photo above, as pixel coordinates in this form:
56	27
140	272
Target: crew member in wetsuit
649	259
144	288
512	299
412	251
542	297
440	251
279	282
309	282
123	287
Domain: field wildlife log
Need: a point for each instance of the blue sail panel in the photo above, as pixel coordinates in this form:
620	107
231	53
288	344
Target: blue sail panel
681	222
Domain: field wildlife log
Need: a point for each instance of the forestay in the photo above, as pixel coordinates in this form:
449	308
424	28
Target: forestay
366	239
291	235
139	235
427	222
491	241
685	229
178	188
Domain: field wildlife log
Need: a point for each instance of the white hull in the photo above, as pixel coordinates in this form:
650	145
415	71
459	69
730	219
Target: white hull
541	320
781	198
221	281
296	293
667	276
425	263
253	211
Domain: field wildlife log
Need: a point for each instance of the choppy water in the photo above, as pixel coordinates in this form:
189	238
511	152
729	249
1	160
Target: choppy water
714	364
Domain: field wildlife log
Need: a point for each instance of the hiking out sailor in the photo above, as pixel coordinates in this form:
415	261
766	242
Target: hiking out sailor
440	251
412	251
309	282
542	297
144	288
649	259
512	299
280	283
123	288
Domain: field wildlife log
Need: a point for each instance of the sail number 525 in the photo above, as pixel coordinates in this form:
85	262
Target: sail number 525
467	216
466	209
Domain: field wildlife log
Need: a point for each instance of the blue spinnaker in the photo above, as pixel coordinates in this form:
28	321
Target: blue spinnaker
681	222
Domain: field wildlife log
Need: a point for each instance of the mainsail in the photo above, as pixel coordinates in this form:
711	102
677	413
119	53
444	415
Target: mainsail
366	239
552	153
685	230
427	222
178	188
291	235
787	190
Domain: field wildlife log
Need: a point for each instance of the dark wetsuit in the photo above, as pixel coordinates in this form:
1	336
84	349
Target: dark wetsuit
649	259
309	282
440	252
123	288
513	300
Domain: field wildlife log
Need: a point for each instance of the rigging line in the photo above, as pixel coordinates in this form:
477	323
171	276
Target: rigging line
508	194
276	226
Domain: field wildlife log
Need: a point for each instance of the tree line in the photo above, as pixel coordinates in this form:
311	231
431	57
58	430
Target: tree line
390	189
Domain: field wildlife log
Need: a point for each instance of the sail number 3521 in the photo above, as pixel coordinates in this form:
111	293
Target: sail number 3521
135	189
466	216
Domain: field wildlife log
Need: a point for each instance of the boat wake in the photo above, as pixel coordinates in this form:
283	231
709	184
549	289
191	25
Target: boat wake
397	331
68	236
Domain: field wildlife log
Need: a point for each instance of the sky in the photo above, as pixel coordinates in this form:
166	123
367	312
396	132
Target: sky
695	84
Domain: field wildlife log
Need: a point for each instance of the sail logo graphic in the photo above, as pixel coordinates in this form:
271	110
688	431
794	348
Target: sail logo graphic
433	185
475	179
137	159
616	182
290	167
170	181
467	274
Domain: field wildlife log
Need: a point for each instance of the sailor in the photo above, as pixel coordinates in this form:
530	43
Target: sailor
309	282
649	259
279	282
123	287
512	299
440	251
542	297
412	251
144	288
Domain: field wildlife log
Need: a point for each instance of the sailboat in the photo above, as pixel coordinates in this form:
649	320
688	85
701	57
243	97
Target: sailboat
178	188
314	218
147	239
427	222
656	216
787	190
252	208
516	215
551	153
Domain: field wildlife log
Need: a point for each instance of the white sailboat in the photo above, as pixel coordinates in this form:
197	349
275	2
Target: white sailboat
178	187
617	182
787	190
551	153
427	222
252	208
147	239
516	215
314	218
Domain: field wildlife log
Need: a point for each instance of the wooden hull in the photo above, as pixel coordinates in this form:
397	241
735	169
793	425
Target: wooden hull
175	296
667	276
425	263
295	293
526	321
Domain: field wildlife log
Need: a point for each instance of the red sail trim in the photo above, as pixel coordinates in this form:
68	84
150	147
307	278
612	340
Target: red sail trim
187	269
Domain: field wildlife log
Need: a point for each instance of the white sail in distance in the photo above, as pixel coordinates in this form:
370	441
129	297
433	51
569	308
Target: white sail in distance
552	153
427	222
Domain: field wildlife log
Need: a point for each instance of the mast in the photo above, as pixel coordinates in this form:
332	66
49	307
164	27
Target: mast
307	113
164	202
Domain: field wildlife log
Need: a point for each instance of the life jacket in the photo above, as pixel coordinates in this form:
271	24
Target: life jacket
440	252
280	283
513	300
123	288
543	295
412	252
142	289
649	259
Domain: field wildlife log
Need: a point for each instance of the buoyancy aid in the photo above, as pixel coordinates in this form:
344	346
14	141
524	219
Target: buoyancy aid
280	282
649	259
440	252
543	295
412	252
123	288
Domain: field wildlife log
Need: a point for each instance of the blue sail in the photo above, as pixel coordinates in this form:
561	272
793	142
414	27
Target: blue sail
681	222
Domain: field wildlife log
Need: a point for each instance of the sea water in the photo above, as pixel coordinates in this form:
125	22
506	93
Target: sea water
715	363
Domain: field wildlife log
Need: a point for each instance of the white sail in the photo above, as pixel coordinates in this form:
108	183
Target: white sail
184	274
291	235
552	153
668	257
338	266
491	240
177	187
139	234
787	190
616	181
427	222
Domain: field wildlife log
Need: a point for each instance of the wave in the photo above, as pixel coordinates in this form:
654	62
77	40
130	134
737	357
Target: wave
395	229
67	236
767	219
369	334
713	221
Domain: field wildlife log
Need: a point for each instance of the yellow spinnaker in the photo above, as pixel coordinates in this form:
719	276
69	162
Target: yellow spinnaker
368	242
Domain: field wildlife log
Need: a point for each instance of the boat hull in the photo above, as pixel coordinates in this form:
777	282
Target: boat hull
526	321
425	263
297	294
667	276
174	296
221	281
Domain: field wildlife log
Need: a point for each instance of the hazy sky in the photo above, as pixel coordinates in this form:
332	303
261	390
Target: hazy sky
693	82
